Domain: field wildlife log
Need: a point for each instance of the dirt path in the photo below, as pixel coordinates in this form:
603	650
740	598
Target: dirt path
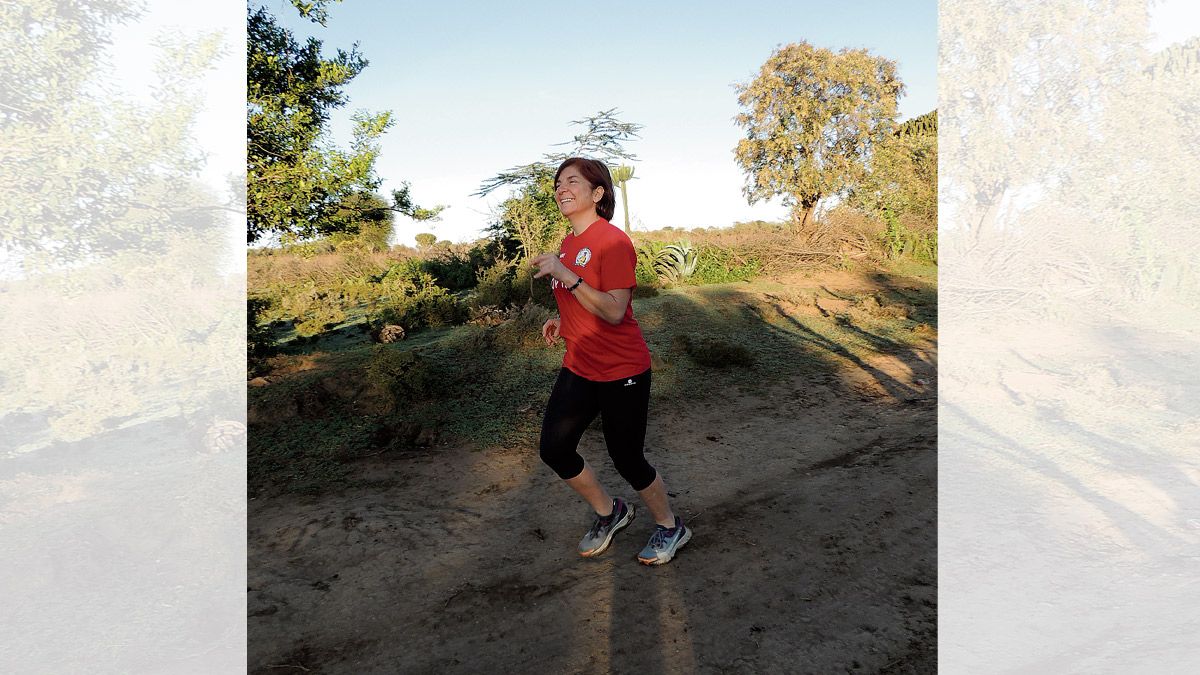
814	512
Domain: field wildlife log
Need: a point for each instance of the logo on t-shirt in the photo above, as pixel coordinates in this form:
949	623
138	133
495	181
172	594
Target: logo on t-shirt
583	257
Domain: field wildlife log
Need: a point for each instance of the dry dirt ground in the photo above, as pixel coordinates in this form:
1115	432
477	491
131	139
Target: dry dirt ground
813	505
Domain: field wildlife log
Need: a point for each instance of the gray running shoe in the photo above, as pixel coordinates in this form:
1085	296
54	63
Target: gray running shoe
601	534
664	543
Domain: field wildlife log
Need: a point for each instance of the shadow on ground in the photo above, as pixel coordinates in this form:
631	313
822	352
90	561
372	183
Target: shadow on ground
808	477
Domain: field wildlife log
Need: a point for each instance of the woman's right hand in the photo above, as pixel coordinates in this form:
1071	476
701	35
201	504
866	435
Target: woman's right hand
550	330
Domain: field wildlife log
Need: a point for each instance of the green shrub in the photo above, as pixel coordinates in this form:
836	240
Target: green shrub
314	309
647	253
717	265
712	352
452	271
524	330
324	314
494	286
525	287
660	262
900	240
414	300
357	289
405	375
259	344
428	307
645	276
404	276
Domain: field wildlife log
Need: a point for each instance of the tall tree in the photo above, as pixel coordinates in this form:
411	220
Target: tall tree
115	241
902	176
298	183
603	138
529	219
84	173
621	176
811	118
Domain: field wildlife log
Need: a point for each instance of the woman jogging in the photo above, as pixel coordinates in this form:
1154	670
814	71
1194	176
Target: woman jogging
606	370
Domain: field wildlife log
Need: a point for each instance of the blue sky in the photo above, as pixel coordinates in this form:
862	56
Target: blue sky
479	87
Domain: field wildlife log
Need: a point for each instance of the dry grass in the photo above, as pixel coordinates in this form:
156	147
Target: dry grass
843	234
266	270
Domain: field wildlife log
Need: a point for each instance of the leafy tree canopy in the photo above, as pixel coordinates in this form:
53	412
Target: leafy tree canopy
529	220
811	118
298	184
370	219
902	176
86	173
603	138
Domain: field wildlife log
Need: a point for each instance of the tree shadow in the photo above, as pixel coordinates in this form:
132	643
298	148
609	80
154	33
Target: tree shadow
463	560
1097	450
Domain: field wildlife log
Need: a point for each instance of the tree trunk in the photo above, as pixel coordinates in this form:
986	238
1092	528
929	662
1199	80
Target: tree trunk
802	215
807	213
987	220
625	205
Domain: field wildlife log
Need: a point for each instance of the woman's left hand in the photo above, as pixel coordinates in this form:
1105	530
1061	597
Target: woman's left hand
548	263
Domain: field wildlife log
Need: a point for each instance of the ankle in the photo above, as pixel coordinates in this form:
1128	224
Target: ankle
612	508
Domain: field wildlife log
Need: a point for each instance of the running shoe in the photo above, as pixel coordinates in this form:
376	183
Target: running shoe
601	534
664	543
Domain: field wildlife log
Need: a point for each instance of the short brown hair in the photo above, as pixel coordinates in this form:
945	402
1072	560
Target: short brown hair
596	174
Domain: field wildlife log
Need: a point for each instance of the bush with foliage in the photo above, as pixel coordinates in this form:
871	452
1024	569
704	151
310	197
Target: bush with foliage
524	330
259	344
712	352
901	238
452	270
716	265
681	263
404	374
494	286
644	271
414	300
903	173
324	314
314	308
526	288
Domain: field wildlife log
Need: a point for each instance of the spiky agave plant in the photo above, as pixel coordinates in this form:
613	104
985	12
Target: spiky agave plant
676	262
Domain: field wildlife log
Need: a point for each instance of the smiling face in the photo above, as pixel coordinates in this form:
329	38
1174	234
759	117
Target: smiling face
574	194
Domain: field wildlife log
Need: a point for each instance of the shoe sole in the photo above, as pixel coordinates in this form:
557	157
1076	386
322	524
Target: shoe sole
687	535
621	524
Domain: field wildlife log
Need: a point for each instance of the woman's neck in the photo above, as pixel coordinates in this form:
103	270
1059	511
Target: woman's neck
583	221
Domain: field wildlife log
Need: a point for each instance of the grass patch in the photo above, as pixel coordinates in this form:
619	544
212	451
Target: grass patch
488	385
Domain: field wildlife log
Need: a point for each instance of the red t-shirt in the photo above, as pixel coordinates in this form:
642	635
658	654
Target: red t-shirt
597	350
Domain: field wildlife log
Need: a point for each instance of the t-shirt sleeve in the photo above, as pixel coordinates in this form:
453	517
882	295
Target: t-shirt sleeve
617	266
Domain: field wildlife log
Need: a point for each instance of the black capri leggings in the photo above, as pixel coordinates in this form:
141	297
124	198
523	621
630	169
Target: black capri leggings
622	405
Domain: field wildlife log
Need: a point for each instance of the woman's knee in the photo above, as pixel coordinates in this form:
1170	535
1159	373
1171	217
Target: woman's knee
636	471
565	461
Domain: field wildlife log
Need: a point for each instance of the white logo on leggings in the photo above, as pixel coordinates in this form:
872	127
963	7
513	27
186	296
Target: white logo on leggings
629	382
